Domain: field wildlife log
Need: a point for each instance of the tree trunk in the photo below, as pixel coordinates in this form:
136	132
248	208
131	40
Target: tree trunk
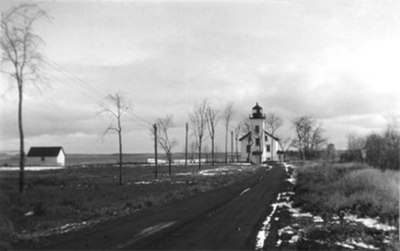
21	137
272	149
212	152
155	152
186	145
120	156
236	148
232	156
226	145
200	155
169	164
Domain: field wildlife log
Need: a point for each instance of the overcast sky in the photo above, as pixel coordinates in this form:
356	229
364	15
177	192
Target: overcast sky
335	60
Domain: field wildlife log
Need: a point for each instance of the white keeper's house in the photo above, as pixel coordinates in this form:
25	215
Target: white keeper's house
258	145
46	156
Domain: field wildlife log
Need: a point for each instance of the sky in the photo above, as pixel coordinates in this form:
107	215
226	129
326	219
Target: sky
334	60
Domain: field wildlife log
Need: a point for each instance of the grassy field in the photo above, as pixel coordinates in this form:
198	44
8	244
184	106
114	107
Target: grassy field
359	206
62	200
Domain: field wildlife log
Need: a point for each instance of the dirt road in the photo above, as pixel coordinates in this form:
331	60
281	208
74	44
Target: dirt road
227	218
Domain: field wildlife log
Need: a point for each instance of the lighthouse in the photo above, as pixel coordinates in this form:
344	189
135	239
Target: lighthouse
258	145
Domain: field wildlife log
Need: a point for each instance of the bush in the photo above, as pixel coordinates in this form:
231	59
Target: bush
336	189
343	187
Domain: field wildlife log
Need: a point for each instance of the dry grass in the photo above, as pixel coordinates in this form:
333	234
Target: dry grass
328	188
335	189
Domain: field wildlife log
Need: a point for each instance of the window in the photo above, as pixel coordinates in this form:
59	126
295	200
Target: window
42	158
257	142
268	148
248	148
257	129
266	138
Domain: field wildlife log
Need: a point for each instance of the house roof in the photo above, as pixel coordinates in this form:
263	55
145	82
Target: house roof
244	136
247	134
49	151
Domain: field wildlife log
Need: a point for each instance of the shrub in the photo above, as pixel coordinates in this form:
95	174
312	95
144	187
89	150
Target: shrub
340	187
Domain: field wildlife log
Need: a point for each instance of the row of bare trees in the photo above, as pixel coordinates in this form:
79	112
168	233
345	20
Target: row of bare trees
381	150
205	118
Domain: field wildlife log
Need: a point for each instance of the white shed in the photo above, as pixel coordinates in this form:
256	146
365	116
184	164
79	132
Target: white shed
46	156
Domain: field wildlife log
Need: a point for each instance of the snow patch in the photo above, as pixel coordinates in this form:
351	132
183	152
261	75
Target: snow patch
264	230
318	219
184	174
363	245
292	180
296	212
287	230
221	170
345	245
370	222
244	191
294	239
33	168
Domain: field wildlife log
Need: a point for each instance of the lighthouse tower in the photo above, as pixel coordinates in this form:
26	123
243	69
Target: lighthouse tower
258	145
257	119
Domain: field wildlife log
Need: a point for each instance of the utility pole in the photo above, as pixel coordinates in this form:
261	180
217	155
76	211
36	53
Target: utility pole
231	146
155	150
186	145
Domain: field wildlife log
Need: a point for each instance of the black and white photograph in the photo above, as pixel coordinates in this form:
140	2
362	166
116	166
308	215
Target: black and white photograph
200	125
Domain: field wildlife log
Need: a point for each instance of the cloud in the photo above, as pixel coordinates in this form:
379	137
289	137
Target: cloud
337	61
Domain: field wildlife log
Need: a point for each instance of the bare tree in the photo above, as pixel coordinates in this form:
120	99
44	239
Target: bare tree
198	123
284	143
237	134
164	141
247	127
383	151
273	122
21	52
212	121
308	136
193	150
355	142
227	116
116	106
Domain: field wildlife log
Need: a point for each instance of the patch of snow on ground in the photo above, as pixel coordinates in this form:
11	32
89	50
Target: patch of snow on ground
287	230
292	180
278	243
221	170
294	239
345	245
296	213
264	231
33	168
283	204
370	222
184	174
143	182
318	219
363	245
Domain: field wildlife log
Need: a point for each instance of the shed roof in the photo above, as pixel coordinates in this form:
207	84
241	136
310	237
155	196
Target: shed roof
48	151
